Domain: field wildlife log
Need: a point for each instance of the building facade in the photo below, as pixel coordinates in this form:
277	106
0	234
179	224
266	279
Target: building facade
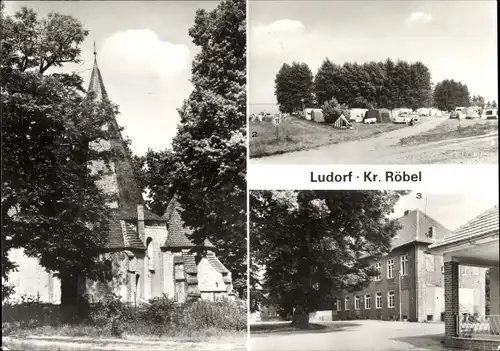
147	255
410	283
476	244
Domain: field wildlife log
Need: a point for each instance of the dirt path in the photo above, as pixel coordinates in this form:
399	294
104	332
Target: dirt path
83	343
384	149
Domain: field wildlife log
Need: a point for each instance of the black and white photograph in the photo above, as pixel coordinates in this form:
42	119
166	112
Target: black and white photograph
373	82
124	222
374	270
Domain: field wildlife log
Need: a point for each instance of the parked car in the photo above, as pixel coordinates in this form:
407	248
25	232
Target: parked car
457	114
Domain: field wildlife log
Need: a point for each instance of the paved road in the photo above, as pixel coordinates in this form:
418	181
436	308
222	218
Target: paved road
384	149
358	336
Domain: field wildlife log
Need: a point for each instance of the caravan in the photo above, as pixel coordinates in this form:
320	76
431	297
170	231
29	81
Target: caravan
489	113
314	114
357	114
377	116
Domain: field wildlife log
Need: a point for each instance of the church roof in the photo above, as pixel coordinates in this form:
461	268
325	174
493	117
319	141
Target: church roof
129	192
123	235
178	233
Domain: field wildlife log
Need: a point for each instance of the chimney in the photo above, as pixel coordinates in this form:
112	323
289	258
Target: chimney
140	223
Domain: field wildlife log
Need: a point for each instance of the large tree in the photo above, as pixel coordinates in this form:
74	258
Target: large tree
206	168
293	87
478	101
326	81
51	206
312	243
450	94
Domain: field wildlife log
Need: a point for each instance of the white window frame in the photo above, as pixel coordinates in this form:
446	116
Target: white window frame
378	268
357	303
368	297
390	268
339	304
404	265
347	299
378	295
391	299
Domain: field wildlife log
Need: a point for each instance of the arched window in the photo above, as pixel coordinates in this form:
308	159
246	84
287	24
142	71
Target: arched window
137	287
149	253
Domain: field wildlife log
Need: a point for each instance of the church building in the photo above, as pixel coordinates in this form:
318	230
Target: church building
148	255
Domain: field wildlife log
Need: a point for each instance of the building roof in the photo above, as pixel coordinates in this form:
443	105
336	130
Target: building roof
123	235
178	233
129	193
415	228
214	261
485	223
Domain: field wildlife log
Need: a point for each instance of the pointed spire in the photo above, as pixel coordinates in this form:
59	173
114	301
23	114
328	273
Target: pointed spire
96	84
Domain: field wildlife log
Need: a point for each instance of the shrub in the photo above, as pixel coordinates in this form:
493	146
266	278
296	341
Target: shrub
226	315
332	110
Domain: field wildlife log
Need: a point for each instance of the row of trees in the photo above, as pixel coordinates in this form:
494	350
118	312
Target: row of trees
385	84
374	84
310	244
51	206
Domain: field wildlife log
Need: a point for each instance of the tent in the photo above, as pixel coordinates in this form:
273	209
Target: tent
314	114
381	115
357	114
341	122
470	112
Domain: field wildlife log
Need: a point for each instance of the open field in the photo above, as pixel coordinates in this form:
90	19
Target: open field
299	134
452	129
352	335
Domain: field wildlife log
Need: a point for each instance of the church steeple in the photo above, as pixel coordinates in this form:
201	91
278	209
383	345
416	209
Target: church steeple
96	84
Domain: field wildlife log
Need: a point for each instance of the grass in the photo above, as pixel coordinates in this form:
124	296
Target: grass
299	134
452	129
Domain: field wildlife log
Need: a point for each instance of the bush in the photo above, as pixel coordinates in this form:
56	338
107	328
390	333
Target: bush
226	315
332	110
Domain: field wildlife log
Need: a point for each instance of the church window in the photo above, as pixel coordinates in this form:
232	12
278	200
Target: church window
149	253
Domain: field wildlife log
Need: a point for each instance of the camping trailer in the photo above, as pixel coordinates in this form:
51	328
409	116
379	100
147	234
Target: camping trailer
314	114
381	115
357	114
489	113
398	111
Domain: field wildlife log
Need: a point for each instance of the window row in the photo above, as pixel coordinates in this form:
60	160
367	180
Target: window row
367	300
390	268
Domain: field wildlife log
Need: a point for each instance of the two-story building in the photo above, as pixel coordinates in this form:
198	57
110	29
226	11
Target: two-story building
410	283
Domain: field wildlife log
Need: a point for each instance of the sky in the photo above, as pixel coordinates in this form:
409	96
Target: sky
451	210
144	53
455	39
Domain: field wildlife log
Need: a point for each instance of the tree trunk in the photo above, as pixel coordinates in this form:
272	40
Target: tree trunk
300	317
69	290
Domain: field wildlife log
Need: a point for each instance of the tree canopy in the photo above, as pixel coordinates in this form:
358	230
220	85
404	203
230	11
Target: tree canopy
450	94
374	84
206	167
313	243
51	206
293	87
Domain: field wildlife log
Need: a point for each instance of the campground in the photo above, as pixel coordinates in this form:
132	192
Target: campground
432	140
298	134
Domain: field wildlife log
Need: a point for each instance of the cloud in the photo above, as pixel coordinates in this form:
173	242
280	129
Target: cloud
149	79
143	48
418	17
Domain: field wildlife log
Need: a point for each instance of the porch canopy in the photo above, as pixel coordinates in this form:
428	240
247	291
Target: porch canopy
474	244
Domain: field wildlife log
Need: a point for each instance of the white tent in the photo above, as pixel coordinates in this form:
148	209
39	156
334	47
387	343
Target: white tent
357	114
341	122
312	114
